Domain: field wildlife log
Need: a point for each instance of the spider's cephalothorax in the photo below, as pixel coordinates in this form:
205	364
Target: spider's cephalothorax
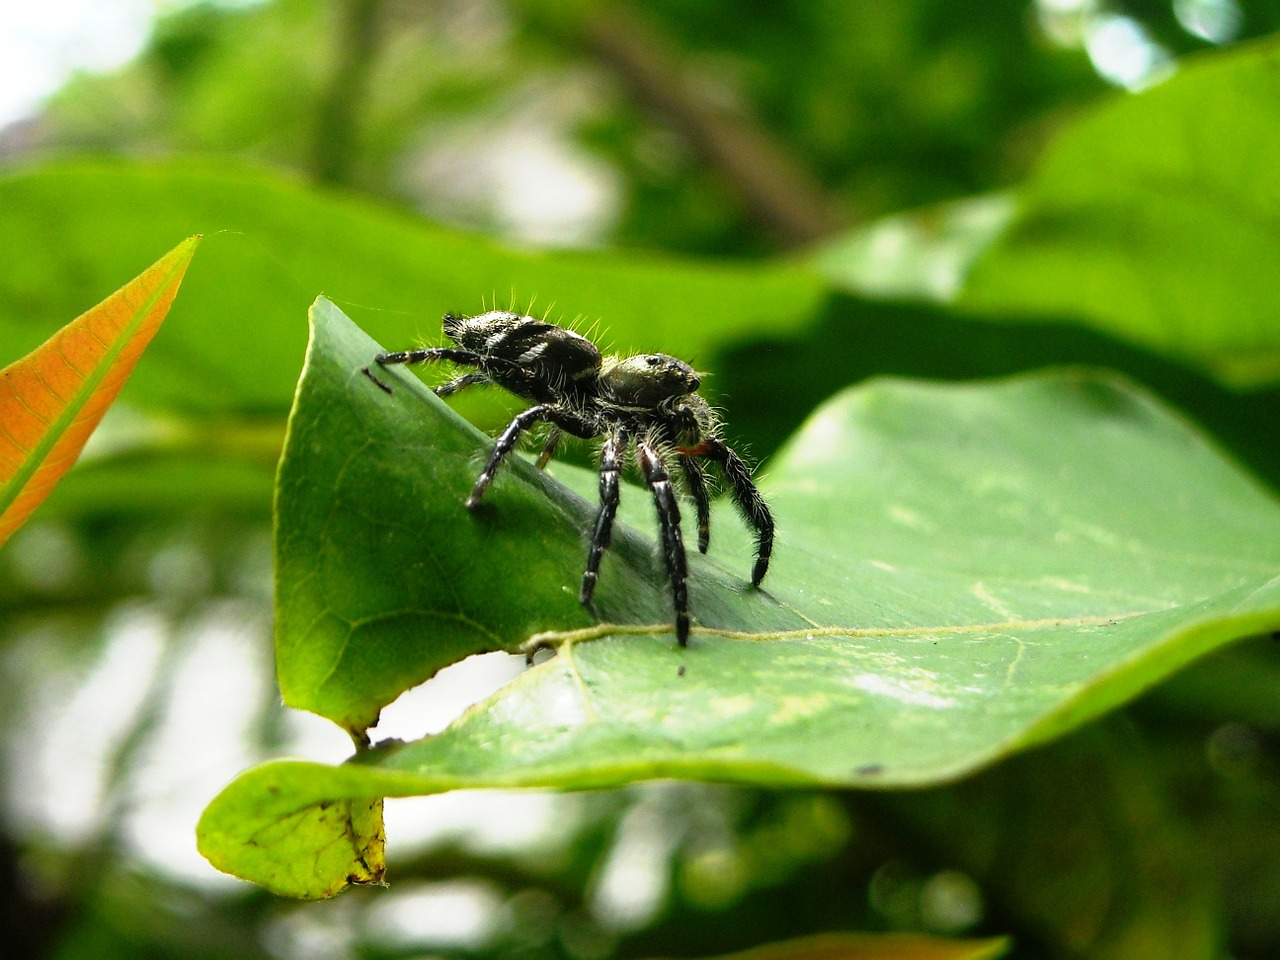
648	402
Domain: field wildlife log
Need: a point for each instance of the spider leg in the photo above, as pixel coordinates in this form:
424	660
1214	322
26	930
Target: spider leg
565	419
549	448
459	383
467	357
611	457
697	484
664	499
749	503
490	368
505	443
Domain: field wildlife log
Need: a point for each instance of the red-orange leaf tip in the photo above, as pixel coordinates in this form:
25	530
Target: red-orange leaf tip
51	399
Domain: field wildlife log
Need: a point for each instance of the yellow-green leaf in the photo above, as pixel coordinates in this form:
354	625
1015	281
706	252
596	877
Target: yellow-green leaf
875	946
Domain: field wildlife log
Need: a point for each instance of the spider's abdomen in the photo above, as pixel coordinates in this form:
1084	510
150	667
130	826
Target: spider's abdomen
545	354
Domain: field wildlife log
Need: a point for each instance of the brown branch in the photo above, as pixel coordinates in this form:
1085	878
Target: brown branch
336	123
774	184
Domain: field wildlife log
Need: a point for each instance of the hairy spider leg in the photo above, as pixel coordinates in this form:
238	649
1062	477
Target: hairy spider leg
664	499
549	448
468	357
611	457
459	383
749	502
487	367
574	423
696	481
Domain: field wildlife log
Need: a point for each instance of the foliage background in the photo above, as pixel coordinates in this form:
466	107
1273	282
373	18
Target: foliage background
135	633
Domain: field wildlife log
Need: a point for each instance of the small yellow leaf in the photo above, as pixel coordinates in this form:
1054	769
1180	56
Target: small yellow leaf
875	946
51	399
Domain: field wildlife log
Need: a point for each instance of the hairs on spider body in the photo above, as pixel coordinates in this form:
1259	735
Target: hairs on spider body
647	403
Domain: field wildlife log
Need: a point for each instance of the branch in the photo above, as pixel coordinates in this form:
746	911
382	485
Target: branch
335	141
773	183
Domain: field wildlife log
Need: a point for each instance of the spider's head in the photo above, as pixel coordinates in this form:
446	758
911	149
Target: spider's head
647	379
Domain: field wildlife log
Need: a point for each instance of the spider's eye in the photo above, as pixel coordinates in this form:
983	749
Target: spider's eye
652	361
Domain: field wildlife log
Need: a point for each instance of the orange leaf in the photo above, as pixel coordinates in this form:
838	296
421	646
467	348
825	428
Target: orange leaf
51	399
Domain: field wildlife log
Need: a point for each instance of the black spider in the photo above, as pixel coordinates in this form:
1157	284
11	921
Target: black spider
649	401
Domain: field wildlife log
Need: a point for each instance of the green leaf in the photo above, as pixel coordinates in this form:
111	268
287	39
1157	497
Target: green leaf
962	571
917	255
294	842
232	347
271	242
1083	842
1157	218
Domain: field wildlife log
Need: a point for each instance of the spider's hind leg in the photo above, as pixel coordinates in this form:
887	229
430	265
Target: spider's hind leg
664	499
460	383
426	354
505	443
568	420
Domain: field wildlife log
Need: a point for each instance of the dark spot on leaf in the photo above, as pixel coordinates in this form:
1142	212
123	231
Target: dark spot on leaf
680	672
869	770
378	383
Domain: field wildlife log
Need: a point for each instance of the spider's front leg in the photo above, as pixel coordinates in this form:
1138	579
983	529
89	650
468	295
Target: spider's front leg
611	457
697	484
664	499
750	503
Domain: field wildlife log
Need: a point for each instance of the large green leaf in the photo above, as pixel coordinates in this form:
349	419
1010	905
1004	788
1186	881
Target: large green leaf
213	396
272	242
1157	218
962	571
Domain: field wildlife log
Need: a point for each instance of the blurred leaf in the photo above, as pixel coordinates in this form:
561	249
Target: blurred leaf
917	255
856	338
51	400
962	572
1157	218
1079	844
875	946
273	242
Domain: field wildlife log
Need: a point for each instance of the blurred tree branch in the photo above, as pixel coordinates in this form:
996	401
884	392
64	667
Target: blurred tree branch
776	186
337	120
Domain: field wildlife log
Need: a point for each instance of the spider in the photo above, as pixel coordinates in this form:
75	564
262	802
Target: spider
648	401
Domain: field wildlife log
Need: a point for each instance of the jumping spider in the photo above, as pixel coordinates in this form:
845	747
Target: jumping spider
649	400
